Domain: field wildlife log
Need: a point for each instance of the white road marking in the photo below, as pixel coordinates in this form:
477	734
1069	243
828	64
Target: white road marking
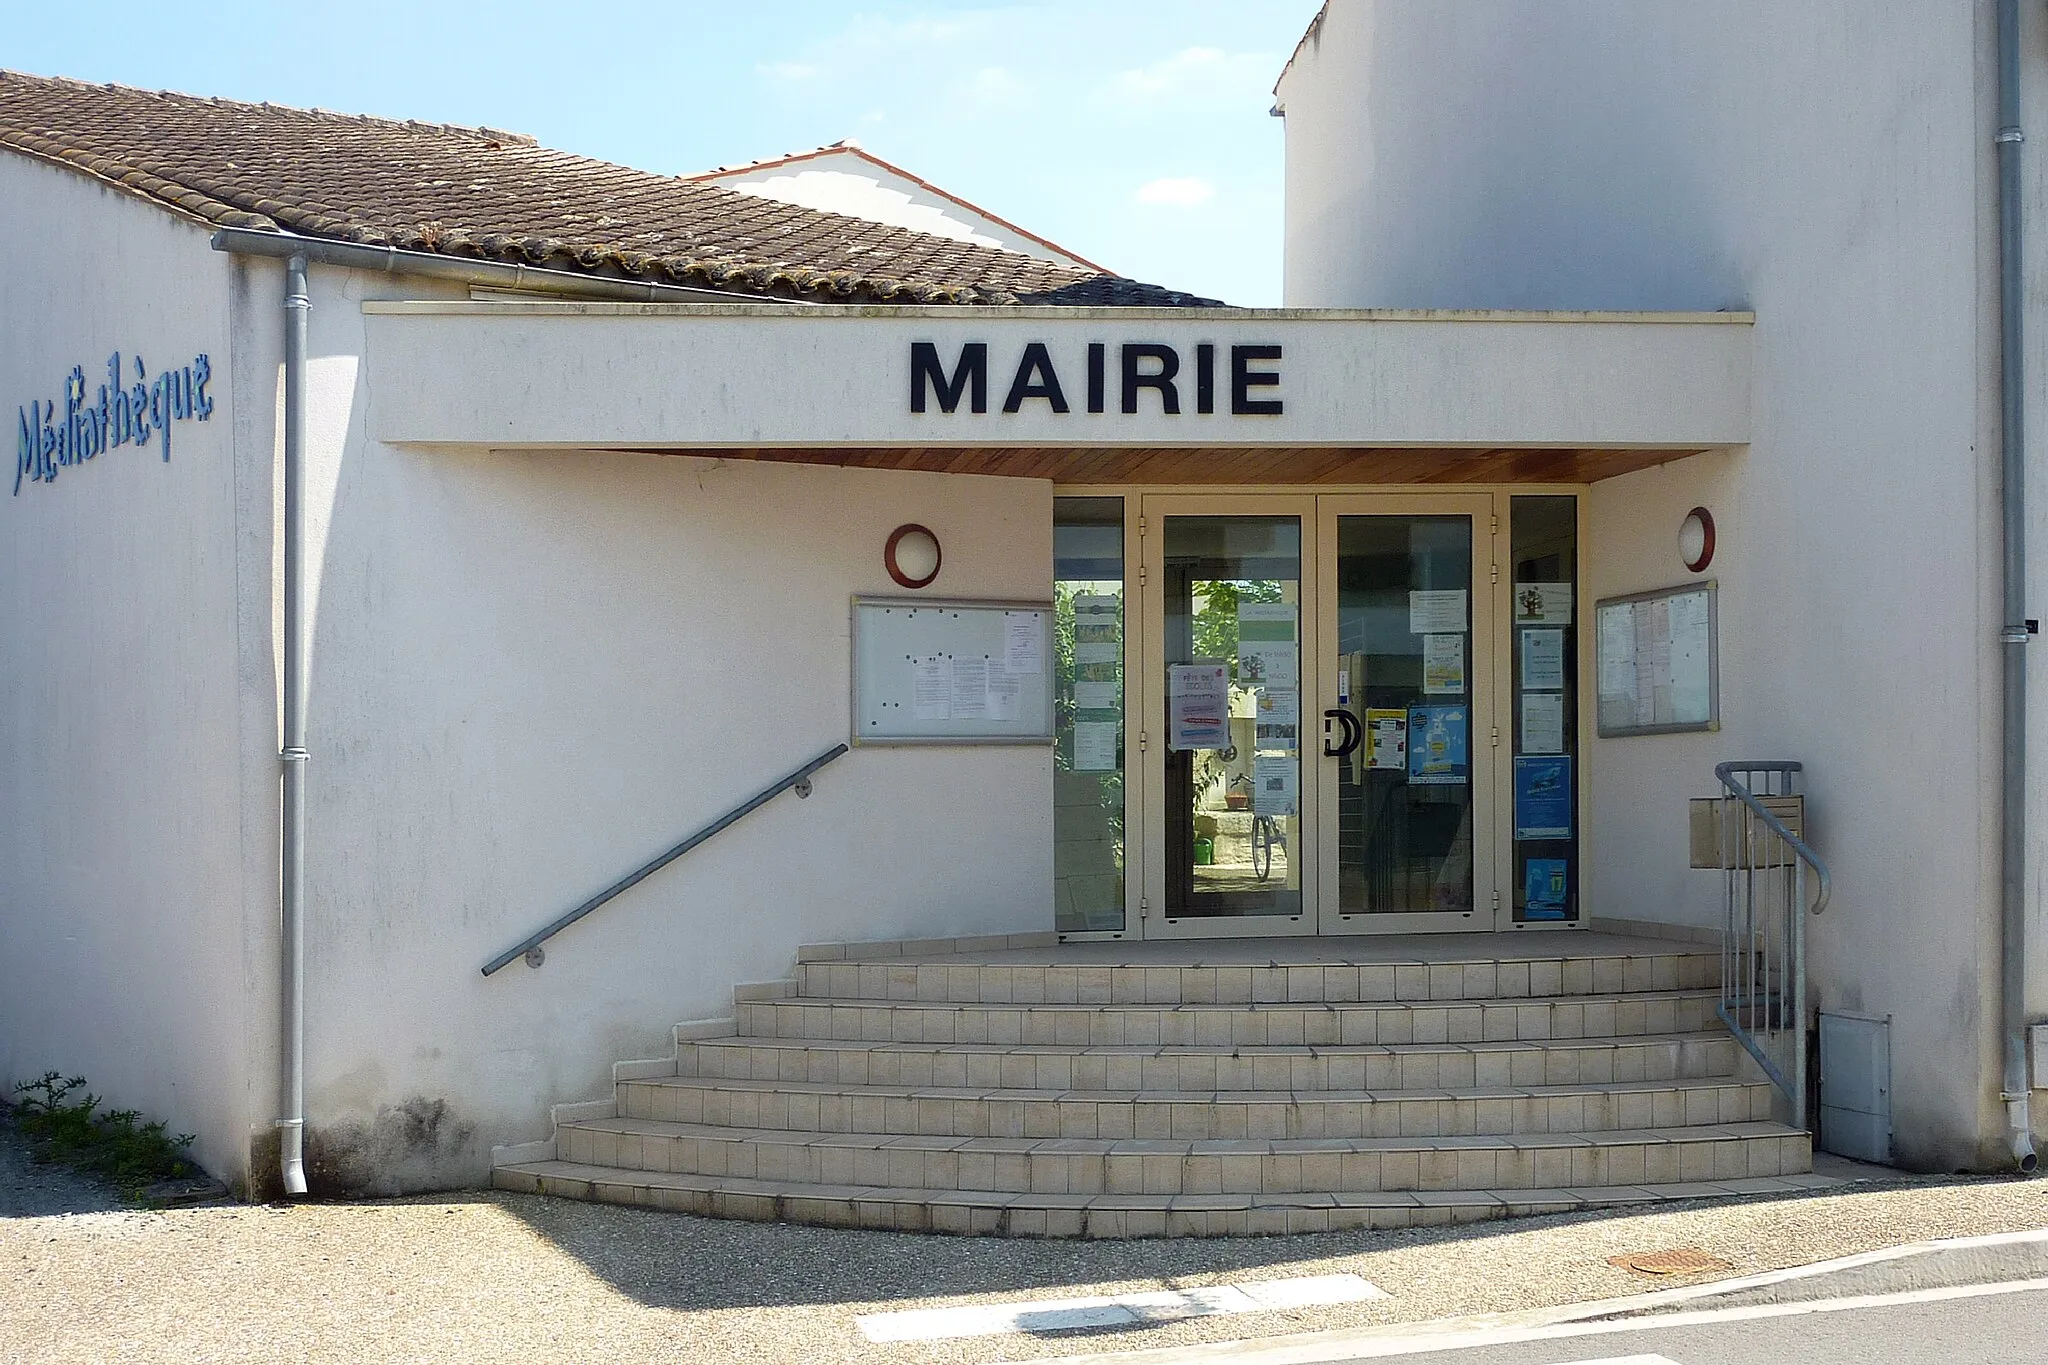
1380	1344
1120	1310
1628	1360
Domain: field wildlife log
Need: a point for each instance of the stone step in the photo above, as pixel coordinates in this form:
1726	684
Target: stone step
939	1111
1362	1066
1291	1025
1024	1214
1201	1166
952	979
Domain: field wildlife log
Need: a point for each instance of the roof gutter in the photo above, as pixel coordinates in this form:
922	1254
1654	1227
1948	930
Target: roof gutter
463	270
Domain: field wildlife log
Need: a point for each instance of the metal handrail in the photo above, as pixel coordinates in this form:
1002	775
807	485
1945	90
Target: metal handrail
1753	985
800	780
1736	788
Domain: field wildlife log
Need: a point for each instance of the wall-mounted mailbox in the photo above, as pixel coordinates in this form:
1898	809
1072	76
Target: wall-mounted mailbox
1716	821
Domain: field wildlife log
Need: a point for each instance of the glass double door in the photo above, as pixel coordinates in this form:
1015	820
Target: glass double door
1317	751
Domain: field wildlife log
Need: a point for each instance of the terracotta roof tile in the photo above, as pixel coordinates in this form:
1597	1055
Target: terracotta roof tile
483	193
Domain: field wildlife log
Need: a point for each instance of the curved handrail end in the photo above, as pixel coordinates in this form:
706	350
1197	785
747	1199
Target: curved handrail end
1726	773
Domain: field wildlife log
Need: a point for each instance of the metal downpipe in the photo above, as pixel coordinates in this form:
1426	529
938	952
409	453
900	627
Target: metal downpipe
2014	635
292	852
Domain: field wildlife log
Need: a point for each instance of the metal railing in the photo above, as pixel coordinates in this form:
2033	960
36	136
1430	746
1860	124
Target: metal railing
1763	930
798	781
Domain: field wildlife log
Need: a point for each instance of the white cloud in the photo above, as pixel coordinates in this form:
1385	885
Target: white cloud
1194	70
994	86
1164	75
871	30
1179	192
790	72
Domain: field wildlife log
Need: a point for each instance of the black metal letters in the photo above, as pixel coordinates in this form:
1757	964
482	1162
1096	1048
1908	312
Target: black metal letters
1141	365
970	373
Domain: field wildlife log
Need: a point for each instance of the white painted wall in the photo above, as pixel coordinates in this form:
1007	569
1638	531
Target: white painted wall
844	179
127	798
1825	164
532	671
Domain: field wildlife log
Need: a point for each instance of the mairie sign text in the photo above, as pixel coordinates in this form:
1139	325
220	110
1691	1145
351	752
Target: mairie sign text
125	412
1146	376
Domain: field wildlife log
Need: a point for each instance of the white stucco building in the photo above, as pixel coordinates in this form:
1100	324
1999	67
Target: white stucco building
1669	156
1349	678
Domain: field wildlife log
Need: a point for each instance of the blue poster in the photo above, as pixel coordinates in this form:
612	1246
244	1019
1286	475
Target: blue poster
1545	885
1543	796
1437	753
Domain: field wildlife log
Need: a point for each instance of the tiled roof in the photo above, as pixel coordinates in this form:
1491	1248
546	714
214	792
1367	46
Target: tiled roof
479	193
849	148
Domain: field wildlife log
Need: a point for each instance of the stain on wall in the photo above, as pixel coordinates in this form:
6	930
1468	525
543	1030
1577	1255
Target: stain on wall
417	1145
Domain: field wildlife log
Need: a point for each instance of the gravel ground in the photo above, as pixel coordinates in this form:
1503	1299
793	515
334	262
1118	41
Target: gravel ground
31	1191
495	1277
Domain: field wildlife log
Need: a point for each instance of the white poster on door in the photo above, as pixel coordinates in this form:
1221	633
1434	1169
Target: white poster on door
1443	665
1274	790
1436	613
1543	604
1386	739
1098	696
1543	660
1543	722
1198	707
1268	665
1279	719
1095	746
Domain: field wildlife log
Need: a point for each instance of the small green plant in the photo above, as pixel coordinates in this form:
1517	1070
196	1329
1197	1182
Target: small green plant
114	1146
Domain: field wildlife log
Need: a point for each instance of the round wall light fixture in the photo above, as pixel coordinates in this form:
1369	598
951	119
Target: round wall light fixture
1696	540
912	555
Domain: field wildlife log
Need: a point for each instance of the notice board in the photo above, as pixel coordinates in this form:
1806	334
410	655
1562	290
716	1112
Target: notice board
933	671
1658	667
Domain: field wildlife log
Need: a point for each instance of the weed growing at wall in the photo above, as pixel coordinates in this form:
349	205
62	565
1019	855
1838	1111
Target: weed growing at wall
113	1146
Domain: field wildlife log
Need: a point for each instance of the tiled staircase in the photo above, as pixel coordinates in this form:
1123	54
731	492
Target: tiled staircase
1019	1087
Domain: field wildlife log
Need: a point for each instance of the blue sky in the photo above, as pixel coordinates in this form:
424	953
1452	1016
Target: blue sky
1134	132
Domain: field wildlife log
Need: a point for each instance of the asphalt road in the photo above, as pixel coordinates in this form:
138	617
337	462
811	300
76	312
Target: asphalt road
1974	1327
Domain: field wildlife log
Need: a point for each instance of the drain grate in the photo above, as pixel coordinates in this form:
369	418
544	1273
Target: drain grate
1677	1261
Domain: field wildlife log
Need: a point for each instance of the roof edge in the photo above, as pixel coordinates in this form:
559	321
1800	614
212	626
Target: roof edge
1043	312
477	131
180	201
1315	26
428	265
845	148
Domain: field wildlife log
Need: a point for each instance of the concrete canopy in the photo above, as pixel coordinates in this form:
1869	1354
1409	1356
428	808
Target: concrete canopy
1081	395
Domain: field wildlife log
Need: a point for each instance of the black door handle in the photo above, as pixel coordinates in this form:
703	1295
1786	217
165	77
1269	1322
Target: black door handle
1354	734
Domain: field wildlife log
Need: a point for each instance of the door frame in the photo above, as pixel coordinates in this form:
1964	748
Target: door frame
1153	509
1491	700
1142	906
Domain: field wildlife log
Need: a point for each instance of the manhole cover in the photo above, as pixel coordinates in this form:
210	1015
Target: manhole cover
1679	1261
